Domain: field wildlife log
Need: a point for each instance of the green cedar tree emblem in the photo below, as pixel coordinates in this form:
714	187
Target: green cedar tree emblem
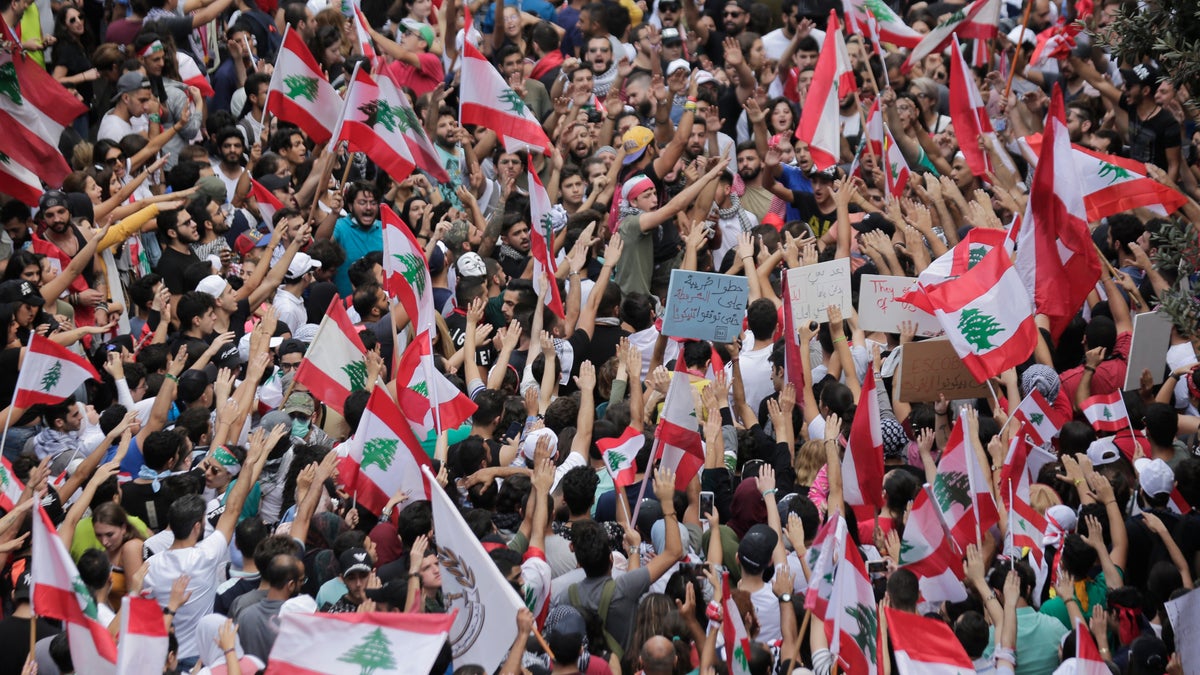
81	590
372	654
300	86
950	488
868	625
1107	413
51	377
515	104
616	460
357	374
547	227
953	18
907	547
5	481
1037	418
421	388
880	9
1113	172
413	271
978	328
9	85
380	452
381	113
739	657
5	158
975	255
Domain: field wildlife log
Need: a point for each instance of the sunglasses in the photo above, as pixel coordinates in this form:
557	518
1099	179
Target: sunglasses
735	13
114	161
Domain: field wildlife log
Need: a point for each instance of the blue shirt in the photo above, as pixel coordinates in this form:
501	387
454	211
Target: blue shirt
357	242
132	463
793	178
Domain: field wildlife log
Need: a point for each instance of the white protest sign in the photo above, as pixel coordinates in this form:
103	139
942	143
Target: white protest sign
1182	612
1151	338
878	309
813	288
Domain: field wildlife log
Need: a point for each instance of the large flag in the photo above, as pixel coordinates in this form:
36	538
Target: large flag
143	645
927	549
820	121
10	486
1025	524
962	490
852	625
822	558
335	364
419	146
429	400
356	643
19	182
491	103
887	154
986	313
191	75
733	629
474	588
541	240
1056	258
1106	412
892	28
374	122
1037	414
50	373
405	271
979	21
967	253
620	456
59	593
1112	184
925	646
383	456
969	114
862	465
677	436
793	367
299	92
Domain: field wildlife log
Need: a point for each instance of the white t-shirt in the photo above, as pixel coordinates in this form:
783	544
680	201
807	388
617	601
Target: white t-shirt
766	608
755	365
114	128
202	563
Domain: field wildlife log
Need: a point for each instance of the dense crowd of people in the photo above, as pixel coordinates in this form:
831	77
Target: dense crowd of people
196	251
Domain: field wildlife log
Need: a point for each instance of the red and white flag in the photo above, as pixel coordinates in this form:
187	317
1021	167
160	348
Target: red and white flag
143	646
267	203
862	465
1106	412
191	75
822	560
733	629
978	21
355	643
620	456
793	367
677	436
928	551
969	114
967	253
366	46
10	486
892	28
491	103
335	364
1037	414
50	373
833	79
962	490
419	146
1087	656
372	121
405	271
59	593
925	646
19	182
430	402
887	154
541	240
383	456
1025	524
299	92
1056	258
34	111
852	625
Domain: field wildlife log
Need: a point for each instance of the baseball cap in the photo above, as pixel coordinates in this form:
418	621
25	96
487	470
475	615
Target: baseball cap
1023	36
756	548
300	402
1142	74
670	36
529	445
471	265
53	198
704	77
302	264
1155	476
273	182
677	65
22	586
212	187
355	560
131	82
19	290
274	419
875	221
457	234
437	259
423	29
192	384
1103	451
393	593
213	285
636	141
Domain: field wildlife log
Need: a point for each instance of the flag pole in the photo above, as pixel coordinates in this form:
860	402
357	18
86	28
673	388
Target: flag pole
1012	71
12	404
646	478
974	439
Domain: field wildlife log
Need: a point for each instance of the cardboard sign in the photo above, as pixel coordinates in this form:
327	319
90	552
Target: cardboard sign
705	306
932	367
1182	612
1151	338
813	288
879	310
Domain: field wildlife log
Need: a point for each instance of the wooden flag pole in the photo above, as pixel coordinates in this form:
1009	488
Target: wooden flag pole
1012	71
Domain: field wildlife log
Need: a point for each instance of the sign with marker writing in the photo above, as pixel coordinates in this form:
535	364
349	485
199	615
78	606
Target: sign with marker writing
705	306
879	310
932	367
813	288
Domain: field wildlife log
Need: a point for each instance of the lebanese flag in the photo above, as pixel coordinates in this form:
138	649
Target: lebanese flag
967	253
1056	42
978	21
382	457
986	313
19	182
405	271
821	559
1025	524
1106	412
541	240
677	436
50	373
887	153
892	28
366	46
354	643
1056	258
10	486
429	401
1112	184
733	630
925	646
59	593
928	551
299	92
793	367
962	490
620	456
862	465
1036	413
1087	657
820	121
267	202
852	625
491	103
191	75
969	113
419	146
34	111
373	122
143	645
335	363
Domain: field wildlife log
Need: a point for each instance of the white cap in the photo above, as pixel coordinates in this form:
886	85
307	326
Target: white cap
301	264
704	76
1103	451
677	65
529	445
1155	476
1023	36
212	285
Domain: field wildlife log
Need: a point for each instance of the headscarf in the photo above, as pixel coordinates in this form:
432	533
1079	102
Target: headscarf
748	507
388	546
1043	378
221	455
207	632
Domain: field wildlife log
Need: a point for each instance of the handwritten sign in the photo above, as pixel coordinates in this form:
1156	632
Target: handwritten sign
705	306
932	367
1182	612
813	288
879	310
1151	338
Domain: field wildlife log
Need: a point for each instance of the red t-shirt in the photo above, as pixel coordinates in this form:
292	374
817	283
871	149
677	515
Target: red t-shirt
421	80
1109	375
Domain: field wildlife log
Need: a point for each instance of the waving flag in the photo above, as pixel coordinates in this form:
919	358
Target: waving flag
962	490
491	103
365	45
887	154
405	271
820	120
428	399
335	364
382	457
143	646
733	629
19	182
299	92
925	646
620	456
928	551
1036	413
677	437
892	28
969	114
10	486
50	373
852	626
1106	412
541	240
967	253
1087	657
419	145
356	643
792	365
979	21
1025	524
373	121
822	557
862	465
267	202
191	75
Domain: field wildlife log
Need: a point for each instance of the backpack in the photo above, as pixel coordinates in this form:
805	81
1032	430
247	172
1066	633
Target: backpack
606	596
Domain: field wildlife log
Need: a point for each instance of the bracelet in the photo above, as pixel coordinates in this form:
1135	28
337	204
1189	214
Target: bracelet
689	107
1071	600
691	99
840	338
769	492
172	378
1090	369
155	118
229	651
1078	482
167	611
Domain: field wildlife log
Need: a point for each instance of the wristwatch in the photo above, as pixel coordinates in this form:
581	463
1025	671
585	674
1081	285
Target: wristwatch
786	597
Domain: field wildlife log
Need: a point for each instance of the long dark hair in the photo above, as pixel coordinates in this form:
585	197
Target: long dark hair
63	34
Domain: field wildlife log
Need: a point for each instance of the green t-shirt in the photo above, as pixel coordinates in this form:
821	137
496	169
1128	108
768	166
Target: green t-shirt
1097	595
634	271
85	536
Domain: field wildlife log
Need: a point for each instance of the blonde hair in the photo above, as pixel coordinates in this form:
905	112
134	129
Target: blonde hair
809	461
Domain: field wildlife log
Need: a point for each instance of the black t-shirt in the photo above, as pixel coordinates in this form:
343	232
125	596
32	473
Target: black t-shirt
171	267
70	55
140	500
14	635
456	323
1150	139
605	339
812	215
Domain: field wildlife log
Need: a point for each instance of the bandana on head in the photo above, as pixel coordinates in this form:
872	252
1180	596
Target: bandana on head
226	459
631	190
156	46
